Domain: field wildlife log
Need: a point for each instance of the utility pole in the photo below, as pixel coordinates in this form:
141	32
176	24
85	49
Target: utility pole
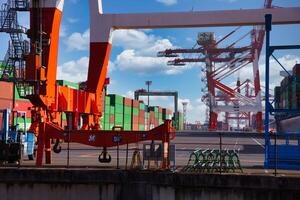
184	104
148	83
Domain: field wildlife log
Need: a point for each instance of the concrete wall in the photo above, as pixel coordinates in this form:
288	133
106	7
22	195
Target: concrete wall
55	184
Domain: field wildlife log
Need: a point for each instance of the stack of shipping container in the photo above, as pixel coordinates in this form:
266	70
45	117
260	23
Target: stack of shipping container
116	110
127	114
7	95
287	95
134	115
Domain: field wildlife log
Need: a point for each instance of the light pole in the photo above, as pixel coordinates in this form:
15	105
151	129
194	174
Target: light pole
148	83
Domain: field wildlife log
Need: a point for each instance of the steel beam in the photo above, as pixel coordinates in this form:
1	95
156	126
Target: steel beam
106	23
139	93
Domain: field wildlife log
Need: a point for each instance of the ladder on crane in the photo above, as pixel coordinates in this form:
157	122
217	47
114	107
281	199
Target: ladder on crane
12	67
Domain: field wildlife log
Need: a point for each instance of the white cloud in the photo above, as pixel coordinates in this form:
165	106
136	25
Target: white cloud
76	70
167	2
72	20
140	48
288	62
63	31
78	41
132	39
129	94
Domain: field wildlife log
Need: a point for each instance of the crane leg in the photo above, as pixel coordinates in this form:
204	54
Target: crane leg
48	151
41	144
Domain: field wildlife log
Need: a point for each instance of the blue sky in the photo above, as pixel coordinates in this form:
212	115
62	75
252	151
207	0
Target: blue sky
133	58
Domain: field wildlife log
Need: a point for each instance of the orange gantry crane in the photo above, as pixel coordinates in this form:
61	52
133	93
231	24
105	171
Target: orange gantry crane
51	100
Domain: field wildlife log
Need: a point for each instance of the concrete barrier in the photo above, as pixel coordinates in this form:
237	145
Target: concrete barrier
73	184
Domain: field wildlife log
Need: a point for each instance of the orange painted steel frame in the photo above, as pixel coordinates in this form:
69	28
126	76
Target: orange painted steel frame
50	100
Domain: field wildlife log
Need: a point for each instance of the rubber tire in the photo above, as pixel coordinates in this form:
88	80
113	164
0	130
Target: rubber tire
31	157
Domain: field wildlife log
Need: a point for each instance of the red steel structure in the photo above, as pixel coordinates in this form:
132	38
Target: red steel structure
50	100
233	63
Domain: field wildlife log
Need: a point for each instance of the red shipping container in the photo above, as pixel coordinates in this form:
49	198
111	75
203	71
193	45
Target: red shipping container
111	119
102	103
6	104
23	106
142	113
135	127
151	114
127	102
160	109
135	119
6	90
135	104
141	121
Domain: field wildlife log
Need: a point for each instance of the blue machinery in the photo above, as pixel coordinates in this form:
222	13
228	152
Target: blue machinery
15	141
281	156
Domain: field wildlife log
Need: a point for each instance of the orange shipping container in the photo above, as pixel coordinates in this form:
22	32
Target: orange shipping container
6	90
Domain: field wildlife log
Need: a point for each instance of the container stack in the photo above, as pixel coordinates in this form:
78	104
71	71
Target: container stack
7	94
167	114
116	110
277	92
154	119
296	87
151	118
127	114
147	118
106	114
135	115
160	116
68	84
287	95
141	116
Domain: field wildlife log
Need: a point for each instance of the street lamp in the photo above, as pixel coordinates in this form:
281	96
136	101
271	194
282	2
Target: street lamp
148	83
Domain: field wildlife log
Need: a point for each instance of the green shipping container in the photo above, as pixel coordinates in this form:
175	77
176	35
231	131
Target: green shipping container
68	84
127	119
127	127
106	126
107	100
141	127
119	118
106	117
119	109
135	111
127	110
116	99
142	106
